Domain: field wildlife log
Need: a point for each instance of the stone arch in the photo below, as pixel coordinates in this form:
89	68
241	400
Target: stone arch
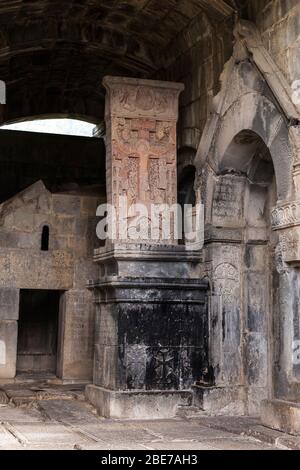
240	181
255	113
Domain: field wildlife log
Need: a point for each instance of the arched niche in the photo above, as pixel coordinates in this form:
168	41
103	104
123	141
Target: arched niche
257	114
241	248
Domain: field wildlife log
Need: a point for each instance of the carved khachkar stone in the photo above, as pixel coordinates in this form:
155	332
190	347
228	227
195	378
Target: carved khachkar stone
151	340
141	118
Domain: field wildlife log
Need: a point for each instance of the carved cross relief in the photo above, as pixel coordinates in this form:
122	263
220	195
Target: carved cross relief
144	153
141	117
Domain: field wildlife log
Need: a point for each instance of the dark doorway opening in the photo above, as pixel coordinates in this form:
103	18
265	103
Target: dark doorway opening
38	332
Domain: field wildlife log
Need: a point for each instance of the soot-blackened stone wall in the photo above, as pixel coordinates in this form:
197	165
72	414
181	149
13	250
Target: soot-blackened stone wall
151	334
163	346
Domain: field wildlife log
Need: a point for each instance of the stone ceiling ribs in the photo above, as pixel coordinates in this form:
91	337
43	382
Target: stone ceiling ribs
53	53
218	6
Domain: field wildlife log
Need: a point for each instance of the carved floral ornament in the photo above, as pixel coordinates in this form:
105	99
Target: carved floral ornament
287	251
139	98
287	215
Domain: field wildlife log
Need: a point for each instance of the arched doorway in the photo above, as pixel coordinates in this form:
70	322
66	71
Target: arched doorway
243	274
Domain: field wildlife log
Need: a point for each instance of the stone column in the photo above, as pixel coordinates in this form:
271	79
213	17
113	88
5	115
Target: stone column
283	411
9	315
151	321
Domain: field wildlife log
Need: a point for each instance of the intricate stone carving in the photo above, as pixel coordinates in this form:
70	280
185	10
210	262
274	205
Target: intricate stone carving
286	215
289	246
227	197
162	369
144	155
136	360
226	279
142	98
141	140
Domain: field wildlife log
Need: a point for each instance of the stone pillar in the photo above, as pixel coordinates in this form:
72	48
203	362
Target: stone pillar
76	336
282	412
9	314
151	342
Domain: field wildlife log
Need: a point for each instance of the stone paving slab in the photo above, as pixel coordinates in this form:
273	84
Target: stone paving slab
69	411
7	440
123	436
71	424
46	433
26	393
105	446
13	414
220	444
4	400
190	430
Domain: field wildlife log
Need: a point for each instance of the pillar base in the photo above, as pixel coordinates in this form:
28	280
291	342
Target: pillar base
281	415
137	404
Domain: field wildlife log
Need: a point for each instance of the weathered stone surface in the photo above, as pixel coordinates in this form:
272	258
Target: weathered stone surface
66	205
136	405
281	415
137	355
66	264
77	335
8	349
9	304
78	427
245	171
141	118
220	401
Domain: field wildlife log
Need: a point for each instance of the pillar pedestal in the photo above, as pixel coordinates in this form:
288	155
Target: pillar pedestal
151	341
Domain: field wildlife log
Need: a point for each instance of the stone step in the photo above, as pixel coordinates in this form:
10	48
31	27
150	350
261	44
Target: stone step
4	400
27	394
281	415
189	412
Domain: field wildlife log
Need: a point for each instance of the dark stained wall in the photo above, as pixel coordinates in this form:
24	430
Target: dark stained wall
64	163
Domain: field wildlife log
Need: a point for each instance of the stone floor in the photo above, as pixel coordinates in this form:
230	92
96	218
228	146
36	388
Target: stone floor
39	416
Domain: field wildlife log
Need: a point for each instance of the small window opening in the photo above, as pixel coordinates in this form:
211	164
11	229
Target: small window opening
45	238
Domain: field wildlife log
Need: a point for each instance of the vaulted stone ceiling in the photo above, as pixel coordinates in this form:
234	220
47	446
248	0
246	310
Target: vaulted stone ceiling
53	53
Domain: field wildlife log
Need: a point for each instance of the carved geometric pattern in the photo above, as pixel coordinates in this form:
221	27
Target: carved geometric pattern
286	215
